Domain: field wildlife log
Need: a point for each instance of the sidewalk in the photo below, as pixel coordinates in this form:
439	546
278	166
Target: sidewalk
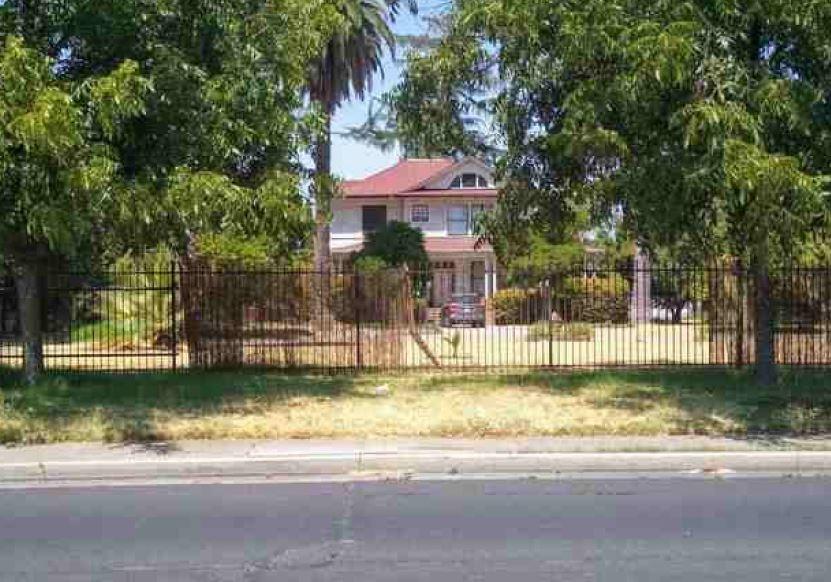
299	460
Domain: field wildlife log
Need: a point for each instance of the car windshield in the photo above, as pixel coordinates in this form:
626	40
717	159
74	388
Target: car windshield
466	299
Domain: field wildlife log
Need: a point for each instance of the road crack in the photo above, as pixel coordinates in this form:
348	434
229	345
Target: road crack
315	556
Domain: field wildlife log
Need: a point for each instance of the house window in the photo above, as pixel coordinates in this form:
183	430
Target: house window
458	222
374	218
469	181
420	213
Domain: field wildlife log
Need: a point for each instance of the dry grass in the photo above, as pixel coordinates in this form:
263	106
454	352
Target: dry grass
236	406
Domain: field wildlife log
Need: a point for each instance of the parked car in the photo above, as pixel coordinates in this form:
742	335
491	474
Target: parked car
463	308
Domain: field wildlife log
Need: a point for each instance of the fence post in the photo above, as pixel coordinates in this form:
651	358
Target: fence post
173	323
550	317
357	302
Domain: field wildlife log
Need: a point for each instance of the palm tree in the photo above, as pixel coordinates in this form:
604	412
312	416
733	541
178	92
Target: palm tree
345	69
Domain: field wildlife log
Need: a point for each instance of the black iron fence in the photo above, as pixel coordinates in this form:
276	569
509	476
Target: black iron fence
448	318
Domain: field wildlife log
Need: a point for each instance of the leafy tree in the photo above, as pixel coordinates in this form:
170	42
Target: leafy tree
707	123
397	244
57	167
177	119
345	67
228	81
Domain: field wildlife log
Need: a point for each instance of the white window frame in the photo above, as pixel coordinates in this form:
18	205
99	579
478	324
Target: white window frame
420	213
450	209
472	211
480	182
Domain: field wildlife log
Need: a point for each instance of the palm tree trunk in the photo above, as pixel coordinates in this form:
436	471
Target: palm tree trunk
323	191
323	195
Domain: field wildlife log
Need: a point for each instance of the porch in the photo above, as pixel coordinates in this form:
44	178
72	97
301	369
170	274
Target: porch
461	274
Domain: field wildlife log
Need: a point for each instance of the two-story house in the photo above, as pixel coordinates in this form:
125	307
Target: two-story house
442	197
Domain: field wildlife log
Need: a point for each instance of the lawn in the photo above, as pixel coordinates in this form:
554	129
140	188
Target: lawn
264	405
109	331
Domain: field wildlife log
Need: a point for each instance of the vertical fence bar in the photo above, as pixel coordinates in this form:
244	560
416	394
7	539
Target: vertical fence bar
357	296
173	323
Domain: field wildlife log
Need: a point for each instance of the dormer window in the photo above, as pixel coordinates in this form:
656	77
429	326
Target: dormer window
469	181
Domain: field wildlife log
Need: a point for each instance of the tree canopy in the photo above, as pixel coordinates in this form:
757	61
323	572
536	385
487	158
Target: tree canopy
346	66
397	244
57	161
128	124
215	151
707	123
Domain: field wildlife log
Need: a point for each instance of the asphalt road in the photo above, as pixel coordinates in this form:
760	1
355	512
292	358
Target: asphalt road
667	529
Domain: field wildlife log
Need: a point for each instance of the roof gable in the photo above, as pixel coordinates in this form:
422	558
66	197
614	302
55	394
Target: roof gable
443	179
411	176
405	176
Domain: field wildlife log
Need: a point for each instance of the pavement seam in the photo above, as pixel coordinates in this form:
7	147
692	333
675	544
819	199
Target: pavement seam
798	456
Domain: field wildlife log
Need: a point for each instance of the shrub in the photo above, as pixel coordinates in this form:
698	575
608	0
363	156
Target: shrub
565	332
370	264
516	306
140	309
586	299
593	299
396	244
375	300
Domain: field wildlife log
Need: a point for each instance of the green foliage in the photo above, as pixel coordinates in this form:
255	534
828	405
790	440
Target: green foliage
370	264
262	225
601	286
707	124
345	65
544	259
141	310
354	52
572	299
370	295
562	332
593	299
442	93
56	173
119	97
512	306
194	99
121	331
397	244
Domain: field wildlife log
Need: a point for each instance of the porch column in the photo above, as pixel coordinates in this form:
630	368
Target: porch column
492	275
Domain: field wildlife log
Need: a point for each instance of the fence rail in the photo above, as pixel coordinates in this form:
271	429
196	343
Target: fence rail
624	316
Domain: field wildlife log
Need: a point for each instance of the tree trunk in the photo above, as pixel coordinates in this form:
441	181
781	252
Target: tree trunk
28	278
765	348
323	190
323	195
190	281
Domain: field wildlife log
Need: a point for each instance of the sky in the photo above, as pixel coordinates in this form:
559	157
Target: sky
352	159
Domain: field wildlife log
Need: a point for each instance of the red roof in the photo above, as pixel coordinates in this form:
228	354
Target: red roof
407	178
404	176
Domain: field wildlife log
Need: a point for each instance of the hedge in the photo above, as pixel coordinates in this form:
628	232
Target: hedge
587	299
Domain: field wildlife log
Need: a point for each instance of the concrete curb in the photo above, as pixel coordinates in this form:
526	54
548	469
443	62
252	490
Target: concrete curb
436	463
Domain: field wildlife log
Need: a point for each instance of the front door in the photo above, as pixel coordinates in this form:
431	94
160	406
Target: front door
477	277
444	282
